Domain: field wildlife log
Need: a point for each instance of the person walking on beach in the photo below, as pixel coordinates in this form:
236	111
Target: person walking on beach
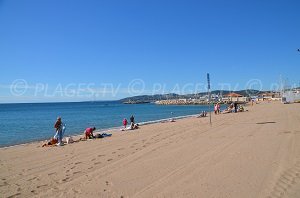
218	108
125	122
132	119
58	128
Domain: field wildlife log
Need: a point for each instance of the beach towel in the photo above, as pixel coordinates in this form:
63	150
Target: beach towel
106	135
103	135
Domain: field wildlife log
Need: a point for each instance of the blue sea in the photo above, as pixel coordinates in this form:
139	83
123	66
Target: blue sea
23	123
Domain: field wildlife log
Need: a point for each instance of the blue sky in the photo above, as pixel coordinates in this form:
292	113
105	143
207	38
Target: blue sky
59	50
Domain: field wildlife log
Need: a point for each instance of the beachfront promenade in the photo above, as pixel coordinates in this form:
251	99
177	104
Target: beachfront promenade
250	155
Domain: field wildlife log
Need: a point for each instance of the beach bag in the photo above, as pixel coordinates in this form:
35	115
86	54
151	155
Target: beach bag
63	130
56	135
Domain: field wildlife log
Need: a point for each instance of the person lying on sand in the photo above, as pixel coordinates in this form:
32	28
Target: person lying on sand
134	126
96	136
203	114
230	109
52	142
131	127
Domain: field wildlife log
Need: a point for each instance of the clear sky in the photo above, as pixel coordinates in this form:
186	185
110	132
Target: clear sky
73	50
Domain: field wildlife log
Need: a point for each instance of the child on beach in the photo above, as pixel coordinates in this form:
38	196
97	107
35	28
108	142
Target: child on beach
125	122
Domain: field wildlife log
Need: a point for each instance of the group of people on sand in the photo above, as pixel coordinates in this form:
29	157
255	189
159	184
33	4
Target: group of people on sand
217	108
60	128
234	108
132	126
89	134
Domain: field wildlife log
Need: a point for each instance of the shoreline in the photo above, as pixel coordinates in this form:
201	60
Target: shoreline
112	129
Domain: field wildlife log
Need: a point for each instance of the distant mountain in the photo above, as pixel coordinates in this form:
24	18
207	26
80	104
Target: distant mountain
170	96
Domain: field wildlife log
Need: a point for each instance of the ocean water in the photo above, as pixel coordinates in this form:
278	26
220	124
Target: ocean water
22	123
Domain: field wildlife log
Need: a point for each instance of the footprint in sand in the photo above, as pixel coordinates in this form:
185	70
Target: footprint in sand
96	163
288	180
93	160
65	179
51	174
4	184
32	179
90	168
41	186
75	191
101	155
78	163
75	173
15	195
110	160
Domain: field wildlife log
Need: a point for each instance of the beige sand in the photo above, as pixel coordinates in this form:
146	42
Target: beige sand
250	154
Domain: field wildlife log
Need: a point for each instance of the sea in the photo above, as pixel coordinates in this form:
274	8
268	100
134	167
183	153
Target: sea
29	122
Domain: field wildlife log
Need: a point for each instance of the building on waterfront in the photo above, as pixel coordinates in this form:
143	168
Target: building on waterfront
269	96
291	96
234	97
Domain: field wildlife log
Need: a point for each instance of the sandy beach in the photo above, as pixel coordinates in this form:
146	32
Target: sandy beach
251	154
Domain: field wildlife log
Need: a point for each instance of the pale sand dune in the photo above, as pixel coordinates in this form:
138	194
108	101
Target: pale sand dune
251	154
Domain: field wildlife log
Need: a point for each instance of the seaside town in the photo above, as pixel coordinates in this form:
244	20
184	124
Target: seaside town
289	96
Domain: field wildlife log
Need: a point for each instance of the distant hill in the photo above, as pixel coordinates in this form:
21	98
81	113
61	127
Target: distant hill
170	96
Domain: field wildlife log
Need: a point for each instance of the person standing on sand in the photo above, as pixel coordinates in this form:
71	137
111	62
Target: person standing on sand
218	108
132	119
125	122
235	107
58	128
